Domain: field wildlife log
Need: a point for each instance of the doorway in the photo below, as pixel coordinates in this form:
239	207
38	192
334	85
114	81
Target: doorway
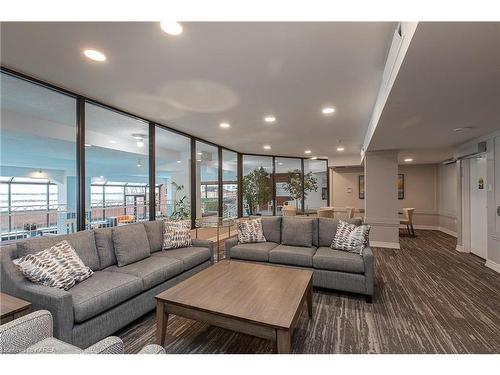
478	207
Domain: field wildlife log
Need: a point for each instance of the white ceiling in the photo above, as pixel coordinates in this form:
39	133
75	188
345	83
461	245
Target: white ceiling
214	72
450	78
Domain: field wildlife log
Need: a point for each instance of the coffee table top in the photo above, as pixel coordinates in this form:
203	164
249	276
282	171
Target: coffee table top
264	294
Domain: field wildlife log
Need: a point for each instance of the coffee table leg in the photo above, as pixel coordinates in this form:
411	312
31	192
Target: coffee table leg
283	341
161	323
310	300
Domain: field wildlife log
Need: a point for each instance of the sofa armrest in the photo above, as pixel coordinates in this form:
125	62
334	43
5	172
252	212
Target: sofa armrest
229	244
59	302
109	345
17	335
205	243
152	349
369	273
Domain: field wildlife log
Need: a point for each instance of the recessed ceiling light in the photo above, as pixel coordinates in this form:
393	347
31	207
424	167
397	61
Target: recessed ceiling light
171	27
463	128
314	158
408	160
307	151
199	153
178	161
340	149
269	119
101	177
88	145
94	55
140	143
328	110
112	141
139	164
225	125
280	163
266	147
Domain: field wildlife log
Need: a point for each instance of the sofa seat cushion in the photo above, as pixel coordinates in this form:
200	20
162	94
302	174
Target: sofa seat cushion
292	255
258	252
330	259
102	291
152	271
191	256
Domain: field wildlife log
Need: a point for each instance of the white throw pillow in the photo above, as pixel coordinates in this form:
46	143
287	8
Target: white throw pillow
58	266
176	234
351	238
250	231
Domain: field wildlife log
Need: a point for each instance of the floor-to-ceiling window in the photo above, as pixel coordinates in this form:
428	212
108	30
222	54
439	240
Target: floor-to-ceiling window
257	185
173	177
207	175
117	159
229	184
37	160
315	184
288	179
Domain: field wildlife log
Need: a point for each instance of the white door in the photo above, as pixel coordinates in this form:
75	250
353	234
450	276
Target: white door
478	210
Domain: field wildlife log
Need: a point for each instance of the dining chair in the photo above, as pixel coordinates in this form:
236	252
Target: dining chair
408	220
350	212
289	210
325	212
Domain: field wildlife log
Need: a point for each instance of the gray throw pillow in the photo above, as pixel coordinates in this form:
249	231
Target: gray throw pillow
130	243
297	231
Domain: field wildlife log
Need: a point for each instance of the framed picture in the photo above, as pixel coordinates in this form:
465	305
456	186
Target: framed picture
324	193
401	186
361	184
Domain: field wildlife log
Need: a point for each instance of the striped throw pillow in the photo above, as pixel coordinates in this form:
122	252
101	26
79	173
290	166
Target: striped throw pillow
351	238
176	234
250	231
58	266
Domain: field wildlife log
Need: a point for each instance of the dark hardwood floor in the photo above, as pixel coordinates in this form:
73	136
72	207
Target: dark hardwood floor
429	299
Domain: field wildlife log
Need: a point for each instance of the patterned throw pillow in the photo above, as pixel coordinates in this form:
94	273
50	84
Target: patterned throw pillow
351	238
58	266
176	233
250	231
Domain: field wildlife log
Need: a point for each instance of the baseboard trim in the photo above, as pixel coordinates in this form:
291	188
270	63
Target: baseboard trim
460	249
492	265
387	245
432	227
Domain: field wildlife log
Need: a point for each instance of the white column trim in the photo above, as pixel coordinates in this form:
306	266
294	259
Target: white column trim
492	265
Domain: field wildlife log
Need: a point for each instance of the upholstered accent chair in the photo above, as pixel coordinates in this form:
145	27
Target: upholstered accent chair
125	219
32	334
408	220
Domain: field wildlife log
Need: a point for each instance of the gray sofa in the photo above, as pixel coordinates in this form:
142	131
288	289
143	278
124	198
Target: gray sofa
305	243
116	294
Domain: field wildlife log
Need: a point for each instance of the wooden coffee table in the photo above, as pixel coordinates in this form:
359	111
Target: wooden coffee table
258	300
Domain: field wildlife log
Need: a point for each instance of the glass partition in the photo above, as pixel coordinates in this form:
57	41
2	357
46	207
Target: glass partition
37	160
117	160
316	184
173	177
207	180
288	181
257	185
229	184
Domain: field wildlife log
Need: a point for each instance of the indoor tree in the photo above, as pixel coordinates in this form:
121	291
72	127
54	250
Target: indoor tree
294	185
257	188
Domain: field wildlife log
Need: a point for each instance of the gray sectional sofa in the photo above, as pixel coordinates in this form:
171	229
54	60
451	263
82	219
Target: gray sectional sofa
305	243
130	269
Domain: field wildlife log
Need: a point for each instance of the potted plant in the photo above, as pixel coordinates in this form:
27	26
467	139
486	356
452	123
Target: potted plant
181	209
294	185
257	189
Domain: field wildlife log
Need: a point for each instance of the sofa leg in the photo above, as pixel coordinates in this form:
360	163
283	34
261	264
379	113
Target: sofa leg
368	299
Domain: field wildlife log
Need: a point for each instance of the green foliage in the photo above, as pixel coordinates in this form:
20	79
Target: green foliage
181	209
257	188
294	184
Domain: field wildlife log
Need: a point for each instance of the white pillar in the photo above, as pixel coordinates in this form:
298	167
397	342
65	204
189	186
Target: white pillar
381	198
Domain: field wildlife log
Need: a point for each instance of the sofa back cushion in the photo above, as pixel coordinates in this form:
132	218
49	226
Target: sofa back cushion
154	230
83	242
105	248
297	231
271	226
327	228
131	243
